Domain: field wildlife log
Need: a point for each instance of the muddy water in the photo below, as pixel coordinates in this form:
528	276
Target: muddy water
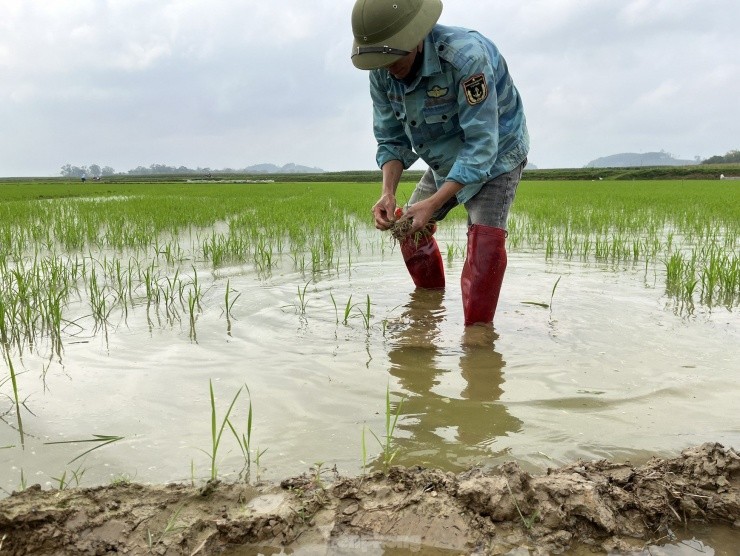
612	369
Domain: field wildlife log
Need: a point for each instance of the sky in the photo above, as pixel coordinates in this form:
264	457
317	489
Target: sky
231	83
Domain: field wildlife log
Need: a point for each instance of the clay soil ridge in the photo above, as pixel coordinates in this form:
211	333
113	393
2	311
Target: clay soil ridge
610	507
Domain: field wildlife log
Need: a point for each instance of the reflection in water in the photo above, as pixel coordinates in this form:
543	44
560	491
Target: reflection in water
435	430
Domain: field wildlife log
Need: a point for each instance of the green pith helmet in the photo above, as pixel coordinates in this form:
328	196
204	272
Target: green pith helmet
387	30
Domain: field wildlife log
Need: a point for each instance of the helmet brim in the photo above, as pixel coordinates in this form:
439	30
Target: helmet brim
406	39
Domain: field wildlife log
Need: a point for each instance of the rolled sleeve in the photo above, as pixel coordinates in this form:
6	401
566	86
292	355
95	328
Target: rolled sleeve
393	143
480	127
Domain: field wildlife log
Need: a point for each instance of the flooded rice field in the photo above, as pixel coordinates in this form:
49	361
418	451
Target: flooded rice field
587	360
611	369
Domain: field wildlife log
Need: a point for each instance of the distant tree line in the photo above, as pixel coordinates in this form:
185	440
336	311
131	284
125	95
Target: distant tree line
159	169
732	157
94	170
70	171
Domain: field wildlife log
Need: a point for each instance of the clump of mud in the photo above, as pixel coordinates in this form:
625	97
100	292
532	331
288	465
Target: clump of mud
607	506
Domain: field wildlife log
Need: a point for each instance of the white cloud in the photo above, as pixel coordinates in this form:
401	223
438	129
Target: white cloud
221	83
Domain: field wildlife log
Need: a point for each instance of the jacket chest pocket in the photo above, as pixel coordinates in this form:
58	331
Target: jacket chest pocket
439	120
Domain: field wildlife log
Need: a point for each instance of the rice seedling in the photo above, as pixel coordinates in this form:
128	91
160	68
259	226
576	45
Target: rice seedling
318	471
63	482
244	441
101	440
16	397
347	310
450	252
552	294
302	301
388	453
217	431
366	315
121	479
192	306
364	450
528	522
229	305
169	528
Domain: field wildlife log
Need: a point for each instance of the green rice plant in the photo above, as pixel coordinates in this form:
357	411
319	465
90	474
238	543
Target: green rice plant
197	289
550	246
552	294
336	310
263	258
122	479
101	439
229	305
347	310
302	301
299	261
364	450
315	258
675	267
328	248
192	306
169	528
76	477
16	398
245	440
216	431
318	471
366	314
391	419
528	522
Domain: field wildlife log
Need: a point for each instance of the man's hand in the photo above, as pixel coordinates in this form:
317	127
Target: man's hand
420	214
384	210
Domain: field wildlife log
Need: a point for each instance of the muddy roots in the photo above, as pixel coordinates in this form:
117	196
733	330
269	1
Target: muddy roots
607	506
401	229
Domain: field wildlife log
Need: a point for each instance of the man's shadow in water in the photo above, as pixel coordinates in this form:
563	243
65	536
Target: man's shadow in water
433	430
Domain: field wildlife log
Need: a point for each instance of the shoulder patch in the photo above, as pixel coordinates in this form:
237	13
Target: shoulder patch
476	89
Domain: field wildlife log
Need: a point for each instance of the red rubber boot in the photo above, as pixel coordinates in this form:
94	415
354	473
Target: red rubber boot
483	273
423	261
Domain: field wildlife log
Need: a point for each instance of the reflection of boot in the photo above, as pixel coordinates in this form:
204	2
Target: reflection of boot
423	260
483	273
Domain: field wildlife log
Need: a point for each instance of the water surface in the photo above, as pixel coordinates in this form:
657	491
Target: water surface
607	366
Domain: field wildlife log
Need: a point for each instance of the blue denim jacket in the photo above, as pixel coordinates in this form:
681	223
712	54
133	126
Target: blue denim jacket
462	114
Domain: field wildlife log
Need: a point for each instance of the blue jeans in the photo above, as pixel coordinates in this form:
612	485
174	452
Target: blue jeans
489	207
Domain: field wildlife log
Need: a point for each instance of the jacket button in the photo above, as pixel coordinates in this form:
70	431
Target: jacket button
436	166
421	146
441	47
444	116
398	114
413	122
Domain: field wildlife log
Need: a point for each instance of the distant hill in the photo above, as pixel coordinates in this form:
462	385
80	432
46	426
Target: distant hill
286	169
636	160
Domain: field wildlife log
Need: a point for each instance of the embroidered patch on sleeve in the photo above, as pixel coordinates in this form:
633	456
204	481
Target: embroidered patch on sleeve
476	89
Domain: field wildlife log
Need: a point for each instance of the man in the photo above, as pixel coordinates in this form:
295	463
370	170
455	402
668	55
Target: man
443	94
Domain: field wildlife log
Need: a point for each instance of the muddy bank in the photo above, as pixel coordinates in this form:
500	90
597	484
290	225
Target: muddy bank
607	506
